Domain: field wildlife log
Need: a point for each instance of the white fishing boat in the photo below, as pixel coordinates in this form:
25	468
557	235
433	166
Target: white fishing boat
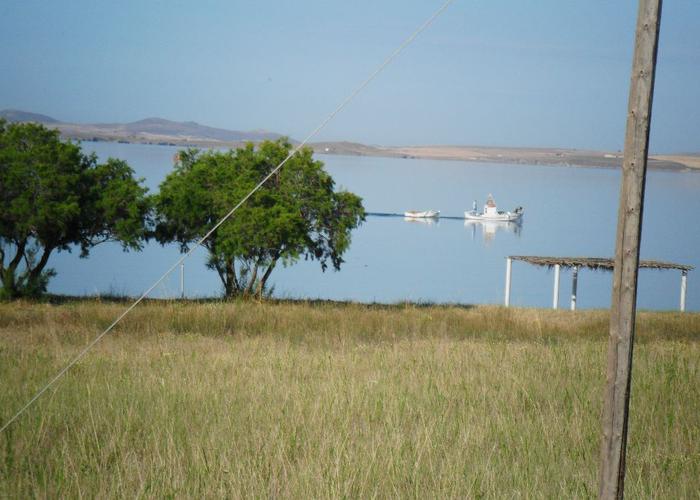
491	213
427	214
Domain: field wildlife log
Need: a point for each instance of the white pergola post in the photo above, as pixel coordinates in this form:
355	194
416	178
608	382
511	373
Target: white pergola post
182	280
574	285
555	299
684	288
509	267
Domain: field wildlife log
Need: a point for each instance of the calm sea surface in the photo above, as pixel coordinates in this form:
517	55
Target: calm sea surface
568	212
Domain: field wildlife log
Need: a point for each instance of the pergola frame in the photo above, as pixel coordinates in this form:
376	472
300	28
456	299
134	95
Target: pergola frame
594	263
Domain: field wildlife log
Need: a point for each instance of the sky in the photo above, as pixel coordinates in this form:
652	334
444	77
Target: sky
548	73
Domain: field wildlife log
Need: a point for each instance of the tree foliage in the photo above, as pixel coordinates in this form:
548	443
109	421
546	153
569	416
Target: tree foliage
296	214
53	197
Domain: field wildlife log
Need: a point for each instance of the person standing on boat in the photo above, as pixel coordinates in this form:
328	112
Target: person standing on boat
474	206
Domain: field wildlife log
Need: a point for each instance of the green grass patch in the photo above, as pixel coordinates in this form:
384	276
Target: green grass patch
338	400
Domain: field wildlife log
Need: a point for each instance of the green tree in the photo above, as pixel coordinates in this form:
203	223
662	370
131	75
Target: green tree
53	197
296	214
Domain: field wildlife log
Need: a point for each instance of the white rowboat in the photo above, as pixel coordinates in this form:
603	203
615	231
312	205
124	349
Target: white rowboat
427	214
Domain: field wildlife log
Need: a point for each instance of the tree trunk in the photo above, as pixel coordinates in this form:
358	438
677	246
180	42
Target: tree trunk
35	274
234	275
263	280
221	272
9	278
251	280
231	286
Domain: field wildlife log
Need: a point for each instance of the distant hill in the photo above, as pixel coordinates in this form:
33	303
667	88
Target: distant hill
149	130
167	132
190	131
15	115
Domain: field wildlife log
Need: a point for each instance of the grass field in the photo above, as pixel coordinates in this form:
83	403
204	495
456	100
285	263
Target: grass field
338	400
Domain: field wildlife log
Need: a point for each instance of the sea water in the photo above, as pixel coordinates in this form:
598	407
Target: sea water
569	211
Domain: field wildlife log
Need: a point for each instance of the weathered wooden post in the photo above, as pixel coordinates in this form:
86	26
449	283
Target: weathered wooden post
555	300
629	229
509	267
684	288
574	286
182	280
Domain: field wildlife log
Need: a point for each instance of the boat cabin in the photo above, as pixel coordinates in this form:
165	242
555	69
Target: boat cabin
490	207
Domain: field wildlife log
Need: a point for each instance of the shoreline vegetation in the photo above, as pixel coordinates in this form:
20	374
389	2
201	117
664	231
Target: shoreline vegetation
158	131
324	399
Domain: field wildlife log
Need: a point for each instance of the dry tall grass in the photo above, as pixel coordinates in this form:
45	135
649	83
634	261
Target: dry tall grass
330	400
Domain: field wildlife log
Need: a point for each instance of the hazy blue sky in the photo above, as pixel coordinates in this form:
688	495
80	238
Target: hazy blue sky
488	72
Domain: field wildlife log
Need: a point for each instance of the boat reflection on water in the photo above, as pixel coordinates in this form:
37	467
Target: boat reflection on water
490	228
428	221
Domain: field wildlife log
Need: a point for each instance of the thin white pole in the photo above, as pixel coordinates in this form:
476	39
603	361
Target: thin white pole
509	267
555	300
182	280
684	288
574	286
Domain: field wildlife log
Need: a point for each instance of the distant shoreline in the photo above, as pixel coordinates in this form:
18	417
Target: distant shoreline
162	132
504	155
511	155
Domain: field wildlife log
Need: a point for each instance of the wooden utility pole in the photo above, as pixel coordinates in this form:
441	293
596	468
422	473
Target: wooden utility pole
629	229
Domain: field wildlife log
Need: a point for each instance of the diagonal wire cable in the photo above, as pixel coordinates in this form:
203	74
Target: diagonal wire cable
337	110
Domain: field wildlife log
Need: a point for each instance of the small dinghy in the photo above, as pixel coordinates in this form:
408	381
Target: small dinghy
428	214
491	213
